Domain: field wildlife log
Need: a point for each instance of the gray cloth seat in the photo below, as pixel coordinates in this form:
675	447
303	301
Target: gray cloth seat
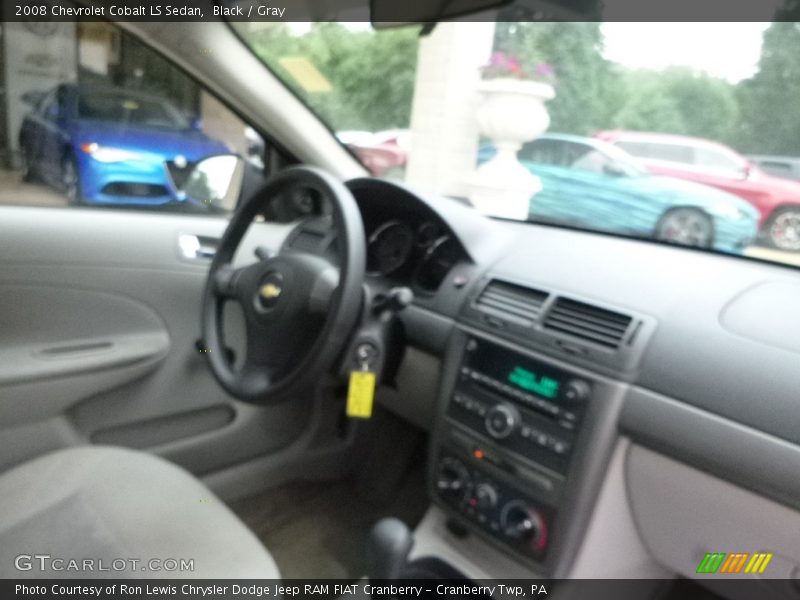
109	504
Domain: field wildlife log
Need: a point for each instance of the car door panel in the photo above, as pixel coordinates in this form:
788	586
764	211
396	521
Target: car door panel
99	317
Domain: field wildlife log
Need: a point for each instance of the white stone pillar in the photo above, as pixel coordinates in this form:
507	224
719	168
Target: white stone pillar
443	118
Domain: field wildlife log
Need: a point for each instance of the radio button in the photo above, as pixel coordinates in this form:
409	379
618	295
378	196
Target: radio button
501	420
566	424
541	438
577	389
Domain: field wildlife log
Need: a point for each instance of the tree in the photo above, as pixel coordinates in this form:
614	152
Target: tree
770	123
371	73
678	100
584	80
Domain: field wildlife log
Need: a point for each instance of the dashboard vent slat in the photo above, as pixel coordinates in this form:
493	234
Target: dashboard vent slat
591	323
513	302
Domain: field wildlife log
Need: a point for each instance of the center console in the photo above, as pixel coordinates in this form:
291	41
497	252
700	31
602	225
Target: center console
510	430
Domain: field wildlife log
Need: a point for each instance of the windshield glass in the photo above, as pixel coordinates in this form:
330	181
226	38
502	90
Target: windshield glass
603	126
130	110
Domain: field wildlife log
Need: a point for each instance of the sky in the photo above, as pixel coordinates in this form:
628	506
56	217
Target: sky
726	50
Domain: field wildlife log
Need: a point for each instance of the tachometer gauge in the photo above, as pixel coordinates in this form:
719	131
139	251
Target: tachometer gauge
427	234
389	247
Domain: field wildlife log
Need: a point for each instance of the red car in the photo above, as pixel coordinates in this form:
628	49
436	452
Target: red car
711	163
384	153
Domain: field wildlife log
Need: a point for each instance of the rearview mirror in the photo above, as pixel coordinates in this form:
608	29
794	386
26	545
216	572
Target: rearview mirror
391	13
215	182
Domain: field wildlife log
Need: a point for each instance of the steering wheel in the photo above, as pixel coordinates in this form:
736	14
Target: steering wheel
299	311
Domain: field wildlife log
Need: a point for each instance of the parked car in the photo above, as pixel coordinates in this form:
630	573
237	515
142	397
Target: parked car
383	153
776	198
108	145
590	183
780	166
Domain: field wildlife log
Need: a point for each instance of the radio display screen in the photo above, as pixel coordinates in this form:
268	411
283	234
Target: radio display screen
518	371
531	382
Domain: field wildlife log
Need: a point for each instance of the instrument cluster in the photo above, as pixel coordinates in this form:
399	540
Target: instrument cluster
417	252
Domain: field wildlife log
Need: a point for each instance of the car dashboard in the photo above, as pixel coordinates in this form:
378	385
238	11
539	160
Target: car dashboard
547	354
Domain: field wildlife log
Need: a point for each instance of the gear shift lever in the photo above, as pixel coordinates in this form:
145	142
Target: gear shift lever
390	543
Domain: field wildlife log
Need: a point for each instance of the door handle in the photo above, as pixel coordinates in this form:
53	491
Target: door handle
197	247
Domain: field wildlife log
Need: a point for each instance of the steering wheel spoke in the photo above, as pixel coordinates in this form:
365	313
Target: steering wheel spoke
224	281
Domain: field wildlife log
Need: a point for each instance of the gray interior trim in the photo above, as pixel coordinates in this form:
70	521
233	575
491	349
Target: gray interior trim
683	513
751	458
768	312
417	383
612	547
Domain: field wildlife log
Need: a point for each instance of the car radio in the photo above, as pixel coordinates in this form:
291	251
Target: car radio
527	407
510	428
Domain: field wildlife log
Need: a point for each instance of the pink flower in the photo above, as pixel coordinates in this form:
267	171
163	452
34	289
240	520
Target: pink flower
499	59
506	65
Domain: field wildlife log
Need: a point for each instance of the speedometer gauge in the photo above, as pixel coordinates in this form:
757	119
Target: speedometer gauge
389	247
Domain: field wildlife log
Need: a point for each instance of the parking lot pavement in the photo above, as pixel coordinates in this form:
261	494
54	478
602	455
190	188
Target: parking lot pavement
789	258
15	191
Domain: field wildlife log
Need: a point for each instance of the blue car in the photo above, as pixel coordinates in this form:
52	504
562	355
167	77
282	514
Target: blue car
591	184
111	146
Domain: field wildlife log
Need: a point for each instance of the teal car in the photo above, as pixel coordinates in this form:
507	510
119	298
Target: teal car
591	184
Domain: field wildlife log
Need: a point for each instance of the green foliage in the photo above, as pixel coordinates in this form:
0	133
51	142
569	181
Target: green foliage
371	73
583	78
372	76
768	100
678	100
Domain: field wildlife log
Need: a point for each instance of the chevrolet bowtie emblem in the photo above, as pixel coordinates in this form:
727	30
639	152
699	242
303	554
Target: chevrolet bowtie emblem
269	291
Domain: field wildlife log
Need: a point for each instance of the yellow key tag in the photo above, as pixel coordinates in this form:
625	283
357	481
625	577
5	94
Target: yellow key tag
360	394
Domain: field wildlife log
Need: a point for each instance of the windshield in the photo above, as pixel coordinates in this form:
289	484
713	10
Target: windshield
130	110
603	126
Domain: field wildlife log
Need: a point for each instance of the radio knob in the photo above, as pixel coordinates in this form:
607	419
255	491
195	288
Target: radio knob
520	522
453	479
577	389
485	496
501	420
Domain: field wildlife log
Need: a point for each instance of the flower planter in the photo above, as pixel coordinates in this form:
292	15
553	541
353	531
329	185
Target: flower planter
511	113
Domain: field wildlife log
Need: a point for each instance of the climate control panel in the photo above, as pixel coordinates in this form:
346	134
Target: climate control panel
504	448
495	506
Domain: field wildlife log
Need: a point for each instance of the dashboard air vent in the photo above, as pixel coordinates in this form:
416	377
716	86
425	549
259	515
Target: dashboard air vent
512	302
591	323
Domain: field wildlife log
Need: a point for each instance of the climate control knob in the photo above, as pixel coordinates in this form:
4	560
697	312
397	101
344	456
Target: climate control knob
520	522
453	479
501	420
485	496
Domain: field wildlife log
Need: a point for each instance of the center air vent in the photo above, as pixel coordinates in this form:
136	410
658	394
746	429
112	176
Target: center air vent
591	323
511	302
